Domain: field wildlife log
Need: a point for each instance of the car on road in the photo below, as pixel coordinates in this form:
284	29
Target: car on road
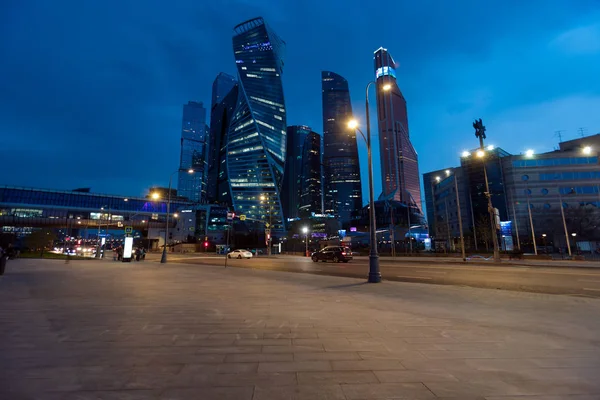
240	254
333	253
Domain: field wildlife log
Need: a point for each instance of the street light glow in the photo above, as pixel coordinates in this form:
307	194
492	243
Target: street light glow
305	230
529	153
175	215
190	171
125	199
544	235
466	154
490	147
447	172
480	153
437	178
573	234
155	196
387	87
262	198
353	124
587	150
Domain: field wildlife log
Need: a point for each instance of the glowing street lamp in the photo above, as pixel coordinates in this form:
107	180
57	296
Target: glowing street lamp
587	150
529	153
155	196
466	154
480	153
305	231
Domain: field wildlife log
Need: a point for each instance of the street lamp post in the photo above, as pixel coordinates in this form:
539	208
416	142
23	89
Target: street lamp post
460	226
163	258
305	231
564	221
374	273
531	223
267	199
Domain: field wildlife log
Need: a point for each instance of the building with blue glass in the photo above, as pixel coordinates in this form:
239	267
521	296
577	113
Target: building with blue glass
194	152
531	192
301	189
539	184
311	182
342	187
224	100
256	143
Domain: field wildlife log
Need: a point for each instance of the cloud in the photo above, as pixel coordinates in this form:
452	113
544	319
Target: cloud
579	40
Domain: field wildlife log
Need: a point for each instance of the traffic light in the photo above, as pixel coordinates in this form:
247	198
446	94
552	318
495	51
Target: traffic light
205	244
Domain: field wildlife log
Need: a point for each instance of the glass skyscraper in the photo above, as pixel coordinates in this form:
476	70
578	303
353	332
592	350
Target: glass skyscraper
342	188
311	177
400	177
256	146
224	100
194	153
301	189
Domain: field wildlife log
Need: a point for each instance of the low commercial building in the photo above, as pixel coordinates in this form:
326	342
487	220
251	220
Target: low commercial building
544	201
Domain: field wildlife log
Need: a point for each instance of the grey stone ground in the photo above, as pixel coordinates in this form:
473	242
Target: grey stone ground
103	330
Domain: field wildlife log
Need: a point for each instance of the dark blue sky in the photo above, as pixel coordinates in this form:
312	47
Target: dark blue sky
91	92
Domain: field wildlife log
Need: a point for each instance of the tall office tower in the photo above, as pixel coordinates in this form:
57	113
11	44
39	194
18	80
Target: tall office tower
301	189
400	177
292	177
342	189
224	98
257	135
193	153
311	177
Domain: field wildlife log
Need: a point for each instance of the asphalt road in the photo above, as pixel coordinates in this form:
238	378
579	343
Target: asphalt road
572	281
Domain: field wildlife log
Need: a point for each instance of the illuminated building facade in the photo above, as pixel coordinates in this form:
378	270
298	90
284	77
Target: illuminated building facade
400	179
342	188
194	152
256	143
224	100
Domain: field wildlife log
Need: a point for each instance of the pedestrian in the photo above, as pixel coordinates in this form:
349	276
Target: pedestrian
138	254
115	254
119	253
143	254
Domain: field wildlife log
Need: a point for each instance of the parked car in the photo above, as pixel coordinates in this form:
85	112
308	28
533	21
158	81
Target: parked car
333	253
240	254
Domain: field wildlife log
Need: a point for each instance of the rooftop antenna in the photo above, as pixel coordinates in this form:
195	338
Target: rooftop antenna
582	131
559	135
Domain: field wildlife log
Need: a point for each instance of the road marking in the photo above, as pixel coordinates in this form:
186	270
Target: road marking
414	277
435	272
590	289
588	280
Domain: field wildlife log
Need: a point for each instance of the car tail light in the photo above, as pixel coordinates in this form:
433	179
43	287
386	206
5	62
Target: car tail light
343	253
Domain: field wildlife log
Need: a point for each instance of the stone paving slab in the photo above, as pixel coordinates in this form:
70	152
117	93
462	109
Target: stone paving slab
101	330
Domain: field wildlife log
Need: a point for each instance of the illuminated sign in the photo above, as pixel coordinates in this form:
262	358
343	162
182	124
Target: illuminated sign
185	211
385	71
352	229
128	247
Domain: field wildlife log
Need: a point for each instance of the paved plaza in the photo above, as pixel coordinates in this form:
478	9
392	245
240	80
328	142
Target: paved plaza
104	330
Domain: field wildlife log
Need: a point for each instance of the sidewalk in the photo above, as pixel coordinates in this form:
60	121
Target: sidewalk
87	330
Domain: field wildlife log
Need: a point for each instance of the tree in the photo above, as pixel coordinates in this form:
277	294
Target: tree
39	240
483	229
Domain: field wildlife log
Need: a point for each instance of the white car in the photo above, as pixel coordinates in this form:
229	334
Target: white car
239	254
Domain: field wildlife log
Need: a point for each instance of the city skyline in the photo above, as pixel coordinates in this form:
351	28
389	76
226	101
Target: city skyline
127	92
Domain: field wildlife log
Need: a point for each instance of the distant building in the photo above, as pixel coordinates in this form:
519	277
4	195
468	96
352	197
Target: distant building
256	144
85	215
400	177
528	191
342	187
311	196
194	152
224	95
569	176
